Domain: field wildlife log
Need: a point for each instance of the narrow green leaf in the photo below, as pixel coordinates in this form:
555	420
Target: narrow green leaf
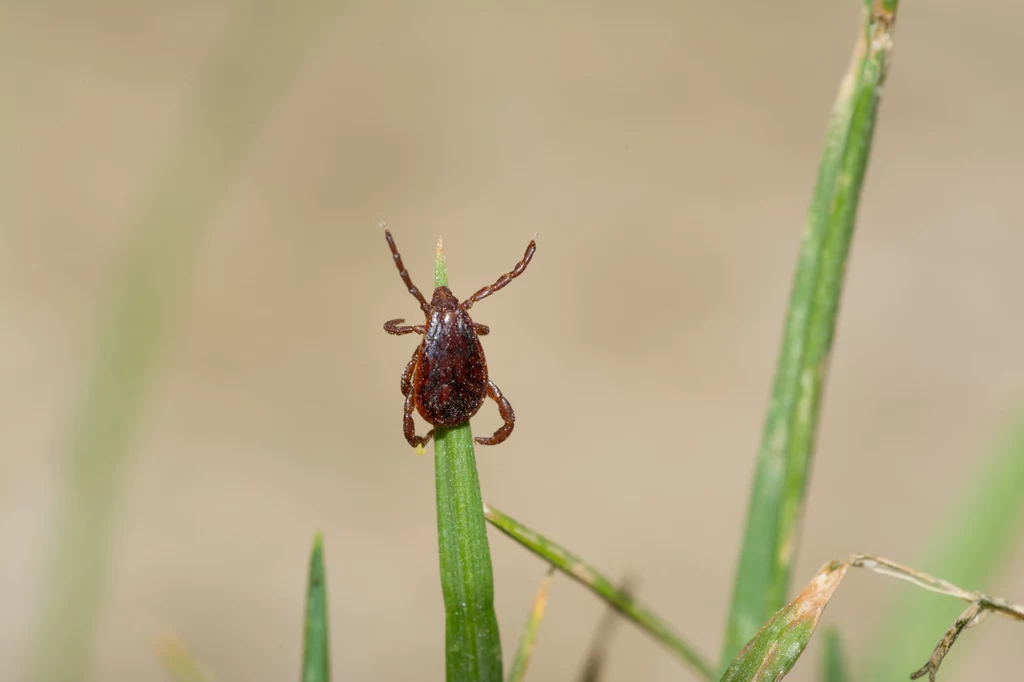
316	656
471	627
582	572
254	62
593	666
835	668
774	650
783	464
972	545
529	638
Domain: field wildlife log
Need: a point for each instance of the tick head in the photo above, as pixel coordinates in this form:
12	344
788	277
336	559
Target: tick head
444	299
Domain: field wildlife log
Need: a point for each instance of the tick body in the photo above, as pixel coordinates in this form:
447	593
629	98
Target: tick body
446	380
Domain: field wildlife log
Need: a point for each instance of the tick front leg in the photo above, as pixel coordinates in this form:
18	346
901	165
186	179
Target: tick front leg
395	327
507	415
481	329
410	428
503	280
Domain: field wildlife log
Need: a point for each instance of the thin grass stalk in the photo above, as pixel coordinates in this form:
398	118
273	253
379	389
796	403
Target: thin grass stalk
316	644
525	651
783	465
471	627
622	601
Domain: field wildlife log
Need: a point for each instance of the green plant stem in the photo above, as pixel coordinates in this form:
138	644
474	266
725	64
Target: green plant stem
529	638
316	646
582	572
471	626
251	67
835	668
783	464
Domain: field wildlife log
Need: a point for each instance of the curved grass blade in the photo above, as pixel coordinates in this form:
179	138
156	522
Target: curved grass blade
774	650
783	463
835	668
316	646
582	572
471	626
526	642
253	64
600	645
972	546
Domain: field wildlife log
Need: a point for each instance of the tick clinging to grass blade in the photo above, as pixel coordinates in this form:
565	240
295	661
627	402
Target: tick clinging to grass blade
446	380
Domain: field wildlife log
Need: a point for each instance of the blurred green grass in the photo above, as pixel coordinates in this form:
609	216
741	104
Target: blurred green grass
243	80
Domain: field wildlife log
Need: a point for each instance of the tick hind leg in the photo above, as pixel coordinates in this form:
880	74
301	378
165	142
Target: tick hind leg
408	426
507	415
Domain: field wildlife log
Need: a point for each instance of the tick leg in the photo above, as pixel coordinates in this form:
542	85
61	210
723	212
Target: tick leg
481	329
395	327
410	428
503	280
405	275
505	410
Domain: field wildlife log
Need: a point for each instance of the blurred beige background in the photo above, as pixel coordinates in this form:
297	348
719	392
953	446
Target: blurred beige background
665	152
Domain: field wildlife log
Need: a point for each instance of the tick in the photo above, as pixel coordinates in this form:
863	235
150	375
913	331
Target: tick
446	380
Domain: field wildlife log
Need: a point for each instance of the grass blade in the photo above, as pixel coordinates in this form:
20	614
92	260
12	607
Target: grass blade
600	645
973	545
783	463
526	642
774	650
316	646
582	572
179	662
471	626
254	62
835	668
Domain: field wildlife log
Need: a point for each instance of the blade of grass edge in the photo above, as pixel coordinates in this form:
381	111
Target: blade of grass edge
834	664
316	645
777	646
973	543
576	568
783	464
251	67
472	641
529	638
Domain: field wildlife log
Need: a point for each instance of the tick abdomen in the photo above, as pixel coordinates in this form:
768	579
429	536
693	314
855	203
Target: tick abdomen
452	372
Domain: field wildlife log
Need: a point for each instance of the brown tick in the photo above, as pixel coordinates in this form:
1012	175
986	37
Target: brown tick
446	379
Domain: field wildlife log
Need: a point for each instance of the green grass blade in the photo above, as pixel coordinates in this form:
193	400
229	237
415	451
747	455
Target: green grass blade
253	64
316	645
529	638
774	650
835	668
783	463
582	572
471	626
973	545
